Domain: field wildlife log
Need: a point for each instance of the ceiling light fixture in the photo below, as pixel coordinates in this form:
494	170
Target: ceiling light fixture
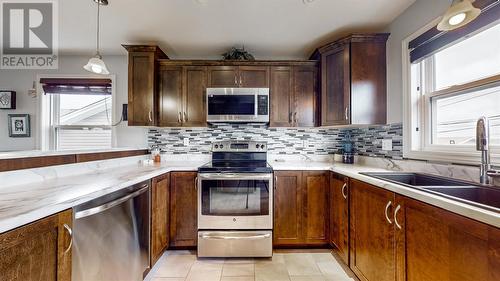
96	64
460	13
307	1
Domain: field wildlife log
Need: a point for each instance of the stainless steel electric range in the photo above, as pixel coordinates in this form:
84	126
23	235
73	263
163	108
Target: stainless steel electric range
235	201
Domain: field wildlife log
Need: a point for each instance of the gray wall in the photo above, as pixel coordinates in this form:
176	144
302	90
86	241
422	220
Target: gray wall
21	80
412	19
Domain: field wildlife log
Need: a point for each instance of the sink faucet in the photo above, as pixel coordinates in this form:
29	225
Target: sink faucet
483	145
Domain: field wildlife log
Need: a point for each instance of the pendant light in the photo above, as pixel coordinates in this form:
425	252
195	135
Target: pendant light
96	64
460	13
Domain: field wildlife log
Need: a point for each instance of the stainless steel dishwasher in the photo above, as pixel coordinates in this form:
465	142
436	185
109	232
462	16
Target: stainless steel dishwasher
111	236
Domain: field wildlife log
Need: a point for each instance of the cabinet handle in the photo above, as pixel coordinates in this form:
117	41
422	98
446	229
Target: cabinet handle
275	181
290	118
196	183
346	113
70	232
185	117
235	80
179	120
241	80
150	116
386	209
343	191
396	216
295	118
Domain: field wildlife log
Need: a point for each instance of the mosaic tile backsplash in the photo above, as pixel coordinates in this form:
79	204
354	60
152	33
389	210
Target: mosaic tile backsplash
320	141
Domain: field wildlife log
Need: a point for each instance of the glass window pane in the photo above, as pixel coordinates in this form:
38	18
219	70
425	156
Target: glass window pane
472	59
455	117
85	110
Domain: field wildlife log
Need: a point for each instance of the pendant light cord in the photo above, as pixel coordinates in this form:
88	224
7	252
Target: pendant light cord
98	23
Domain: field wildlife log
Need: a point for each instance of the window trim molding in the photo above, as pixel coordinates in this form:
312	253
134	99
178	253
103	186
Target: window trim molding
460	156
44	135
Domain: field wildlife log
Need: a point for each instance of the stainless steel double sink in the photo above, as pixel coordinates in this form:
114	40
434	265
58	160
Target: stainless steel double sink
485	197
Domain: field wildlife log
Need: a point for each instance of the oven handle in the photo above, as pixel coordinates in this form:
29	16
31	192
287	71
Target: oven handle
240	176
222	237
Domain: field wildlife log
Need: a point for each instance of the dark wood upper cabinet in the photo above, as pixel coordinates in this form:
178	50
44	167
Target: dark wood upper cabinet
437	245
301	208
195	110
253	76
183	209
372	233
160	198
181	93
38	251
223	77
294	98
247	76
339	215
305	90
353	80
170	91
142	84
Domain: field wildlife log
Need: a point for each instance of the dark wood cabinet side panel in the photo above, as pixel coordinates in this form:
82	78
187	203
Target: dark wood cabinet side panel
183	209
170	96
368	83
316	189
288	208
281	95
305	92
160	200
195	110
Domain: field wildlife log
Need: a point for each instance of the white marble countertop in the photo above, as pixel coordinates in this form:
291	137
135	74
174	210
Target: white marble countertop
41	192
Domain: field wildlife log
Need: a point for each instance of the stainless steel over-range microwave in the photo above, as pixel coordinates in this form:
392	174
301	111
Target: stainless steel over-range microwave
238	105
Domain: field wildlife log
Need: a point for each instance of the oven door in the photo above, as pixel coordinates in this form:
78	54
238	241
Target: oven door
235	201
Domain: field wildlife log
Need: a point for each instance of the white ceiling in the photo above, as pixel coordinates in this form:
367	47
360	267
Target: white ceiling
279	29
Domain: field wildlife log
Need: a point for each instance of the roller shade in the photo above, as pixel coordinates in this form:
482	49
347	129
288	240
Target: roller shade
56	86
434	40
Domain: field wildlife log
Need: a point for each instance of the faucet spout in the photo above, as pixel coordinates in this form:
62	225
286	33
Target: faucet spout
482	144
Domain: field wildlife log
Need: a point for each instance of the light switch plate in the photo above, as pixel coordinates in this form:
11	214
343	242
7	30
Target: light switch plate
387	145
186	141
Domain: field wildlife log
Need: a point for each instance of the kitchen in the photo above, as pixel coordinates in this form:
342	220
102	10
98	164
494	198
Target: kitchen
332	140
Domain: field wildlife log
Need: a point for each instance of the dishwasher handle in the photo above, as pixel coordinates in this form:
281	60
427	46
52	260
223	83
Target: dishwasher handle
109	205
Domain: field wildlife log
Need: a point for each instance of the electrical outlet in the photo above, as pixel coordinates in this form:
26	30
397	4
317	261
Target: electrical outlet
387	145
305	143
186	141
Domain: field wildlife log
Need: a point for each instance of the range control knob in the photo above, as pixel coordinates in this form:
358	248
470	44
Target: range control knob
216	146
262	146
257	146
221	146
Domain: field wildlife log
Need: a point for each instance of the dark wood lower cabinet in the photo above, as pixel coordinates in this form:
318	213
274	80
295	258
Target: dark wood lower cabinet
301	208
38	251
437	245
183	209
160	197
372	233
339	215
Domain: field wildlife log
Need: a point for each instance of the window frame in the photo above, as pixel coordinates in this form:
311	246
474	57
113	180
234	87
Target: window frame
47	133
417	115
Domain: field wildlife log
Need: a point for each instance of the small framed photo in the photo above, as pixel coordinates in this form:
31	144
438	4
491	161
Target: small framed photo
7	99
19	125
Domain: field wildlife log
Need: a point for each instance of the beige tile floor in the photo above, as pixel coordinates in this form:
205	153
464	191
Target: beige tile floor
284	266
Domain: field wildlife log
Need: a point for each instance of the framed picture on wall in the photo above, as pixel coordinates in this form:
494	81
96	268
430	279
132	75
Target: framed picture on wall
7	99
19	125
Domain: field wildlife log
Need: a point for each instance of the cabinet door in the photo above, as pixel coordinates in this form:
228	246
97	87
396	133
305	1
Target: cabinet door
183	209
253	77
38	251
288	208
160	197
141	89
223	77
372	246
282	102
195	110
305	79
316	189
335	87
170	96
440	245
339	215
